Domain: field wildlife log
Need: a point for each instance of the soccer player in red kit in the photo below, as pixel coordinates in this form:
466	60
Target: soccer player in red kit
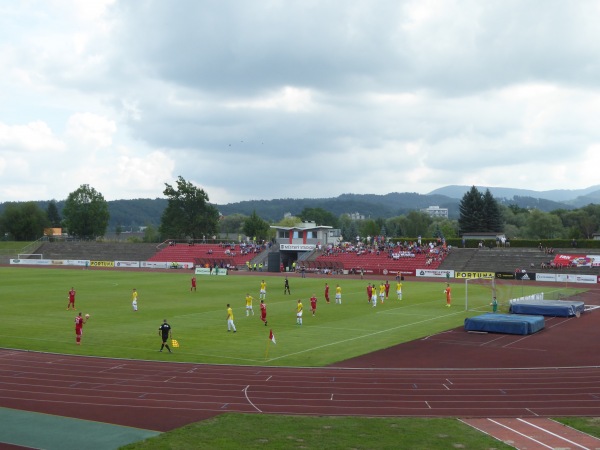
369	292
71	299
193	288
387	289
326	292
263	312
313	304
79	321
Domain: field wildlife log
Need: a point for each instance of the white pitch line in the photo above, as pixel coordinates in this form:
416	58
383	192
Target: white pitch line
364	336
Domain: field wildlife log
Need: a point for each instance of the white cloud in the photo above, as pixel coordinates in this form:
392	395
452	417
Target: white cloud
90	130
296	98
32	137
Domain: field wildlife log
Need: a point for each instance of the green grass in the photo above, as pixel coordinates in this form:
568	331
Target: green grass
34	309
235	431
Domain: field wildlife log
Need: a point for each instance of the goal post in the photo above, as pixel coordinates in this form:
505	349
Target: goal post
480	294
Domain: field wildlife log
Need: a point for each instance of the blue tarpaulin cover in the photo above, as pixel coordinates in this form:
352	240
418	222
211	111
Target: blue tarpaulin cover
505	323
556	308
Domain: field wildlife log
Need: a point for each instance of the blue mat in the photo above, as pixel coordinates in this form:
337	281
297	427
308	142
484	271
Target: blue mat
555	308
505	323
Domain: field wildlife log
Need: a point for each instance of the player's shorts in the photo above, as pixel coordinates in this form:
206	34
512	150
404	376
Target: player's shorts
165	338
248	306
374	298
338	295
313	306
398	292
78	331
299	314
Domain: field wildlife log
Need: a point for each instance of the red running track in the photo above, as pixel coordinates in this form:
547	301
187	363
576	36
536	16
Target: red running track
555	372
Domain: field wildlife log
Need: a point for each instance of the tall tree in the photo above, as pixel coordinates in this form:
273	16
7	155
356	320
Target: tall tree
86	213
417	223
188	213
255	227
232	224
23	221
53	214
492	217
471	217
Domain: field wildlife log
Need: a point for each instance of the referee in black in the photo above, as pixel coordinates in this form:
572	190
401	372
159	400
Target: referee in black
165	332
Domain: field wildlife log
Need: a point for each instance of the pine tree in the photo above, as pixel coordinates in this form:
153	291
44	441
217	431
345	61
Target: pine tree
471	208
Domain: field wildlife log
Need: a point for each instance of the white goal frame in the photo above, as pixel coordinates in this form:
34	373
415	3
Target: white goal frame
472	280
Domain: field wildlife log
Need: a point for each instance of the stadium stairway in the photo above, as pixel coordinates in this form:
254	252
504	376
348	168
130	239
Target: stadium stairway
97	251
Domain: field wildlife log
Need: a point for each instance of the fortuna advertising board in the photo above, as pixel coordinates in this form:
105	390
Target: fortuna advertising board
464	275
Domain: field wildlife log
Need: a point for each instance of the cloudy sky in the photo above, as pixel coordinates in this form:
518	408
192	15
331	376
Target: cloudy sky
297	98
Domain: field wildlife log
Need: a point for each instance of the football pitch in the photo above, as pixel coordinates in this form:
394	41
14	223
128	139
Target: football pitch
34	303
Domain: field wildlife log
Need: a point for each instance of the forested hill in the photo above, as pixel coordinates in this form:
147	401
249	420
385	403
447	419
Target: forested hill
368	205
140	212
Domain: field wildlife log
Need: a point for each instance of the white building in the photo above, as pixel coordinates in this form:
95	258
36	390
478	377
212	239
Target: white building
436	211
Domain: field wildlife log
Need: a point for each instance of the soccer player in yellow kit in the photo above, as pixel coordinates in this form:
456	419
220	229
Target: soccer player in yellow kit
399	290
263	290
249	309
381	292
299	312
230	324
338	294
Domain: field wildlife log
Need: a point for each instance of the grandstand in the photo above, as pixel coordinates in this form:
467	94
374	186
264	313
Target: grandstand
377	263
226	255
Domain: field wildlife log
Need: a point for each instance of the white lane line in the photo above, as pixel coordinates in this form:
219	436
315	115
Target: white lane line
552	434
250	401
521	434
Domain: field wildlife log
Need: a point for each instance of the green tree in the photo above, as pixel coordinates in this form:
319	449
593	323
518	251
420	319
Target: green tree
393	226
53	215
232	224
86	213
492	217
542	225
188	213
290	221
151	234
23	221
348	228
319	216
417	223
448	228
255	227
370	228
471	208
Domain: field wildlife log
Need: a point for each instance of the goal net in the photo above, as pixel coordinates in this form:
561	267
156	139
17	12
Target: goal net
480	294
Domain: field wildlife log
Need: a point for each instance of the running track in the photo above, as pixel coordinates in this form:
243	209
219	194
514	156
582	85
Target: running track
555	372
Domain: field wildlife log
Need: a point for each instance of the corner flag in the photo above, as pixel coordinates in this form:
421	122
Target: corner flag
272	336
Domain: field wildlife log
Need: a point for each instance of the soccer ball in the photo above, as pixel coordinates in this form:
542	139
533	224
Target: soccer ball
87	316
